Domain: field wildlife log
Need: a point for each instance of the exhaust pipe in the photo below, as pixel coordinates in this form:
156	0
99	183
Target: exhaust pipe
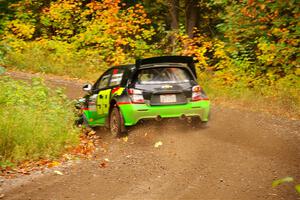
188	119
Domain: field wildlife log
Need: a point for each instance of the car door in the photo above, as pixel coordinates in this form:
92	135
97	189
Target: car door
103	102
94	112
104	95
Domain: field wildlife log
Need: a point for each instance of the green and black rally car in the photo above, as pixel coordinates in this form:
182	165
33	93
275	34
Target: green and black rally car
152	88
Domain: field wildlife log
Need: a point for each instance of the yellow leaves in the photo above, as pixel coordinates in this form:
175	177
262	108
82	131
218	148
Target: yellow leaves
262	6
125	139
114	31
262	27
62	16
297	71
21	29
94	5
275	31
53	164
207	45
205	50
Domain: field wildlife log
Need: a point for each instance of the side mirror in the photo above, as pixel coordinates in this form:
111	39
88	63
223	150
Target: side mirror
87	87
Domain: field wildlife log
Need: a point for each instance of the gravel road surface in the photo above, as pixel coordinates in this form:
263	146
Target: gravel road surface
236	157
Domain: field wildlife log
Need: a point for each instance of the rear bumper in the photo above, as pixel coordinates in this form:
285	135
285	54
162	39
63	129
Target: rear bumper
132	113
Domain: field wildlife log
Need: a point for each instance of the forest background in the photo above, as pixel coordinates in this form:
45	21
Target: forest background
247	51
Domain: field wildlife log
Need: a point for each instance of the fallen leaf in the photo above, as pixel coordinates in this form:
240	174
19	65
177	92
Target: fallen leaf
283	180
67	156
103	165
53	164
297	187
157	144
125	139
58	172
91	133
24	171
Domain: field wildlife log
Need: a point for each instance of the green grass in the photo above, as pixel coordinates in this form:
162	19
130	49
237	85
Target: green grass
59	58
35	122
280	97
277	99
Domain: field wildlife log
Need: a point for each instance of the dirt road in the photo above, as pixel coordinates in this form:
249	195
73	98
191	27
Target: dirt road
236	157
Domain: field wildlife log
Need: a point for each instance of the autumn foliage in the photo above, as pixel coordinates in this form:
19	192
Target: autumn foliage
76	37
245	46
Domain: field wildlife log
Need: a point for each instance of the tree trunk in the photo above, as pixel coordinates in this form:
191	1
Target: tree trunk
174	16
191	16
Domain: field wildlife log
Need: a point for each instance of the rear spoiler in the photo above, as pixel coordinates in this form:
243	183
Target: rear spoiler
168	59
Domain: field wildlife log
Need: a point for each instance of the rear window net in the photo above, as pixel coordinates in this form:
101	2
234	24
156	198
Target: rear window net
163	75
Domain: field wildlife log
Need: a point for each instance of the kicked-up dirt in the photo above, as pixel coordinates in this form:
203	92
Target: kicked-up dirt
236	157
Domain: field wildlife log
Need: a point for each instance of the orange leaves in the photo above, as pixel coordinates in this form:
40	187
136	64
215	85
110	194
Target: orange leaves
205	51
103	165
85	150
94	5
262	6
250	2
115	31
27	167
260	11
112	30
121	41
87	145
53	164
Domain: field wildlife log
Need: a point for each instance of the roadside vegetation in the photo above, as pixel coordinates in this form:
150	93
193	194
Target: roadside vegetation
246	51
35	122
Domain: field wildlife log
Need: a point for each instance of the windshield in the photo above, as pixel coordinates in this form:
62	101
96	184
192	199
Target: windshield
163	75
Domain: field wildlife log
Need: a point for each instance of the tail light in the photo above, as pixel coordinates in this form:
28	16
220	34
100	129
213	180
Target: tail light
136	95
198	94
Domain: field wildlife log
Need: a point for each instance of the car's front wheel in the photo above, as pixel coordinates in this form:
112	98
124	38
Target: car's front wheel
116	123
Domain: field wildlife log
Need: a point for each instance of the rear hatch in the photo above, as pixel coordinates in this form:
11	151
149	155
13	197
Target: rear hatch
165	84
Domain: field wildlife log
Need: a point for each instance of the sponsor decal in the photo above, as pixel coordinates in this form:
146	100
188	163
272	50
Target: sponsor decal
167	86
117	91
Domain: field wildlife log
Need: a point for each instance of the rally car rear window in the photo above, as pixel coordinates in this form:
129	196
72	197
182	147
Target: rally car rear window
163	75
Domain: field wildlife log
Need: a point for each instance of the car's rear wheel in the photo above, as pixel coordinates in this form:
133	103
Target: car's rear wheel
196	122
116	123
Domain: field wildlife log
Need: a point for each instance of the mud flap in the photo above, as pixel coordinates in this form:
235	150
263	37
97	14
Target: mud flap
123	128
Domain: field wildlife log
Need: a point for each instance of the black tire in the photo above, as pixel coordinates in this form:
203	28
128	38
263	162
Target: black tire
116	123
85	121
196	122
79	121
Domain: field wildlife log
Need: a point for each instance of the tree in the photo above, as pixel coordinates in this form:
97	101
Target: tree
266	34
191	16
174	14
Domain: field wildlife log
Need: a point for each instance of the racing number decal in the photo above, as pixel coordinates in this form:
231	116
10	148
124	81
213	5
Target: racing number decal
117	91
103	102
